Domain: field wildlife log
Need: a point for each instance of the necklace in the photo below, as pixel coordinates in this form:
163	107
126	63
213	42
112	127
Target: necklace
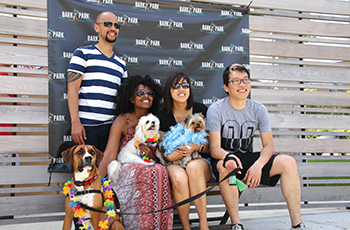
80	213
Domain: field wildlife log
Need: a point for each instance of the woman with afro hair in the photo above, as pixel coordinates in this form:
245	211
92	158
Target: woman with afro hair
141	187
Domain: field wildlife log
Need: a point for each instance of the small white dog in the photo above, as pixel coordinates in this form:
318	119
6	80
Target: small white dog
146	133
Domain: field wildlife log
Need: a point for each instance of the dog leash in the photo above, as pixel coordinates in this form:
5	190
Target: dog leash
188	200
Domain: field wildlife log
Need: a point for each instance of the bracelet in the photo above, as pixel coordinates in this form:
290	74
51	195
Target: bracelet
201	148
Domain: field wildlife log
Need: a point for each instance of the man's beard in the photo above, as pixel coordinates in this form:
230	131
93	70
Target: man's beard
110	40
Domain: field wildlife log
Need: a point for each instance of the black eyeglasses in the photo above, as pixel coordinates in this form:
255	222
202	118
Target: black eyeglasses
237	81
140	93
184	85
109	24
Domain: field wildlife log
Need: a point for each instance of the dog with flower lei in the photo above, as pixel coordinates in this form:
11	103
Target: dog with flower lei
79	212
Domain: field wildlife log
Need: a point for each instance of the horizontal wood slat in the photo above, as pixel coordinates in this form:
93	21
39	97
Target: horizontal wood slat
296	38
23	41
320	6
11	114
295	61
282	120
24	26
298	27
322	182
23	12
20	190
40	72
25	129
294	145
299	109
274	194
31	174
58	216
299	15
295	85
37	4
294	50
24	85
31	204
24	144
326	194
24	159
25	100
324	169
295	97
300	74
15	55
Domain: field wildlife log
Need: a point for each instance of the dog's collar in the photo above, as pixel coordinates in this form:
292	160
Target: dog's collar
152	139
83	183
149	140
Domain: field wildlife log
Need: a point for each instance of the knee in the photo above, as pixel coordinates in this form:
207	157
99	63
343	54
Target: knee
179	180
194	168
221	169
288	163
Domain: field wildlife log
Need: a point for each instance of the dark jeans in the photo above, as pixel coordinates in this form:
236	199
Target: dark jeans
97	136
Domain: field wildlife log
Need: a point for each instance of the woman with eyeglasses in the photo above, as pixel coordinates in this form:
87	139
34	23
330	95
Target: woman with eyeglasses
141	187
189	181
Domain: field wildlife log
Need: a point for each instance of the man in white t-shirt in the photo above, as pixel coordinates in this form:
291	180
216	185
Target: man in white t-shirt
231	123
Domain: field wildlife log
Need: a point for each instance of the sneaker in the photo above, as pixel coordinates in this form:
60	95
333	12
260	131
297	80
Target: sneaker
237	227
301	226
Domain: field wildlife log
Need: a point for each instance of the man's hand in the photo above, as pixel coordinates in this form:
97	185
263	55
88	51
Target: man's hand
231	165
253	176
78	133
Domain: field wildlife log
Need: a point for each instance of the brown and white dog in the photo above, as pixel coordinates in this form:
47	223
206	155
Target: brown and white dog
87	183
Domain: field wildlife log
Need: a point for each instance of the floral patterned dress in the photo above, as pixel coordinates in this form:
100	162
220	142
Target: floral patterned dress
143	188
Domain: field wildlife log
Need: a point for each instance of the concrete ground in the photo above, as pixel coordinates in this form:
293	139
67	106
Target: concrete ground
315	219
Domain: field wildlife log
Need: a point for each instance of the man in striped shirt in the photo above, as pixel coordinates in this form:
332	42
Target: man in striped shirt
94	75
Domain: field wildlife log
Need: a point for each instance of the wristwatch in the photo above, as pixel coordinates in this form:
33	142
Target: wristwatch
201	148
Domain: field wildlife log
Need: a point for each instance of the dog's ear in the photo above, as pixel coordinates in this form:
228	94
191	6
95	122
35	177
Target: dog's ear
99	155
186	119
200	114
67	155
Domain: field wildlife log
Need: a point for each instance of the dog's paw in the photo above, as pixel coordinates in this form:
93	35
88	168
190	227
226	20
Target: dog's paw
114	170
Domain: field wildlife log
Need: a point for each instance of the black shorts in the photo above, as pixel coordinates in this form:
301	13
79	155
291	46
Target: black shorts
248	160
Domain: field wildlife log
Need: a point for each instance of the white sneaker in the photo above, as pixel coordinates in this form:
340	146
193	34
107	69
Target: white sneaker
301	227
237	227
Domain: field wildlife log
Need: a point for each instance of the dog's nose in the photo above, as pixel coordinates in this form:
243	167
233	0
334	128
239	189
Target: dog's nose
153	122
88	159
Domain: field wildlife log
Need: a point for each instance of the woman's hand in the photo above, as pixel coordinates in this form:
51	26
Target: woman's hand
187	151
147	152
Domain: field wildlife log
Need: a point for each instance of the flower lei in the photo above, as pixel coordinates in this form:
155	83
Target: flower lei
149	140
80	213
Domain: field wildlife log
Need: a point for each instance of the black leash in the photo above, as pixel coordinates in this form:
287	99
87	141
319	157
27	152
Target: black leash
233	172
91	208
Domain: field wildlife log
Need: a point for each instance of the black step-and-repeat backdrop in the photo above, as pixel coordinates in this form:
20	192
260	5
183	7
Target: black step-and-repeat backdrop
156	38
